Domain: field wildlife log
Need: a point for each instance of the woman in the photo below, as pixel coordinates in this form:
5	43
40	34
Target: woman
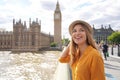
82	54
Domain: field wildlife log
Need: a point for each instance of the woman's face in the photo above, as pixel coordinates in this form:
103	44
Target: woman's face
79	35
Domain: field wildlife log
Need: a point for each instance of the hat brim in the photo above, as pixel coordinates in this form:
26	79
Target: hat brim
77	22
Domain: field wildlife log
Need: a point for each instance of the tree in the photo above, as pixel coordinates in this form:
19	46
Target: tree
53	44
115	38
65	41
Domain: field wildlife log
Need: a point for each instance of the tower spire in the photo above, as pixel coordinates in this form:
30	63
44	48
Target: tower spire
57	7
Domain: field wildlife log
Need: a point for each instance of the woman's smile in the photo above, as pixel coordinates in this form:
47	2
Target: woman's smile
79	35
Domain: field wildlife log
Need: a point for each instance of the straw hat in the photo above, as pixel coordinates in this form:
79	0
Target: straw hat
79	22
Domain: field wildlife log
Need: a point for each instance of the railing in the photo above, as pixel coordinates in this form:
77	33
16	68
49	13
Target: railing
63	72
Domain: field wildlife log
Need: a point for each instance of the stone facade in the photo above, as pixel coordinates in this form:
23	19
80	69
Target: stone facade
23	38
6	40
100	35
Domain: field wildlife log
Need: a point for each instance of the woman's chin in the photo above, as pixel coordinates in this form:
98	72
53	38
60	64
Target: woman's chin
77	43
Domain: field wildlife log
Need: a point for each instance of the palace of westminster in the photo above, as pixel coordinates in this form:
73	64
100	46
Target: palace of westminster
32	39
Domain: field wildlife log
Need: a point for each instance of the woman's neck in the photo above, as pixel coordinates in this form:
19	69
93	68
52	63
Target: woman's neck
82	48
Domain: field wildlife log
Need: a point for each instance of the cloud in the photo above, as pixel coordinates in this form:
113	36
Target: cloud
95	12
48	5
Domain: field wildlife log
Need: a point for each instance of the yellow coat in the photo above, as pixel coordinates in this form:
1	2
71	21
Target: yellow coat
89	66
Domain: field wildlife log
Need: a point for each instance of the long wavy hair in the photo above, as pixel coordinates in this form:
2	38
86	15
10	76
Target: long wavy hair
74	51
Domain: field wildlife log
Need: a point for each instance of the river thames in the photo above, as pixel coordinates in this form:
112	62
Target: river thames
28	66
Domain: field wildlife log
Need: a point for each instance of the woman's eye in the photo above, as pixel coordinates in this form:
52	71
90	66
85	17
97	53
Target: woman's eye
82	30
73	30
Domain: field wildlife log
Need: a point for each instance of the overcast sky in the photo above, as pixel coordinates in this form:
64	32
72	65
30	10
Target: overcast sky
95	12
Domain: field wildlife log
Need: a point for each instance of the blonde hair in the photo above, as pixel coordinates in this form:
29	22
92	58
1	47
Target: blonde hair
74	51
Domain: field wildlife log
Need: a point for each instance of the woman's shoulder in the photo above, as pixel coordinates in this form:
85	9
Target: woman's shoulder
94	53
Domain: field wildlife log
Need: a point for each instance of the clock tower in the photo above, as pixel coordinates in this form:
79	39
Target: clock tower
57	26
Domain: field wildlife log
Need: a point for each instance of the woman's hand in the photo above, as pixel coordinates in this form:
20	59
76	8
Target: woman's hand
65	51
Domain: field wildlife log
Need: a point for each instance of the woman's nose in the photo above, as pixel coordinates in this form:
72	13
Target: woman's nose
78	32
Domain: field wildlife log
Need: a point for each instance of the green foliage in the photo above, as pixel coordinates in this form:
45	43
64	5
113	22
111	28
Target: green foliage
65	41
114	37
53	44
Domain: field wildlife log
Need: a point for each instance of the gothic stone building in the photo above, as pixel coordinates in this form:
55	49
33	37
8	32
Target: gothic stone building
31	39
100	35
23	38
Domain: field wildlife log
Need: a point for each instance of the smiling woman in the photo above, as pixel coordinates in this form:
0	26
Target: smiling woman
82	54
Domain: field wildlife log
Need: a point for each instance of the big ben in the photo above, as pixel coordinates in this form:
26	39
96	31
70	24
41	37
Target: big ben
57	26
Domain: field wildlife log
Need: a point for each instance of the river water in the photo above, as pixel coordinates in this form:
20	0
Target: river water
28	66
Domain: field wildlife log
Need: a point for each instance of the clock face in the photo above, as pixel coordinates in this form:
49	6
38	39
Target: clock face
57	16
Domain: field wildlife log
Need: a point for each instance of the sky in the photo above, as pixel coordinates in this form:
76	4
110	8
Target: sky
95	12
